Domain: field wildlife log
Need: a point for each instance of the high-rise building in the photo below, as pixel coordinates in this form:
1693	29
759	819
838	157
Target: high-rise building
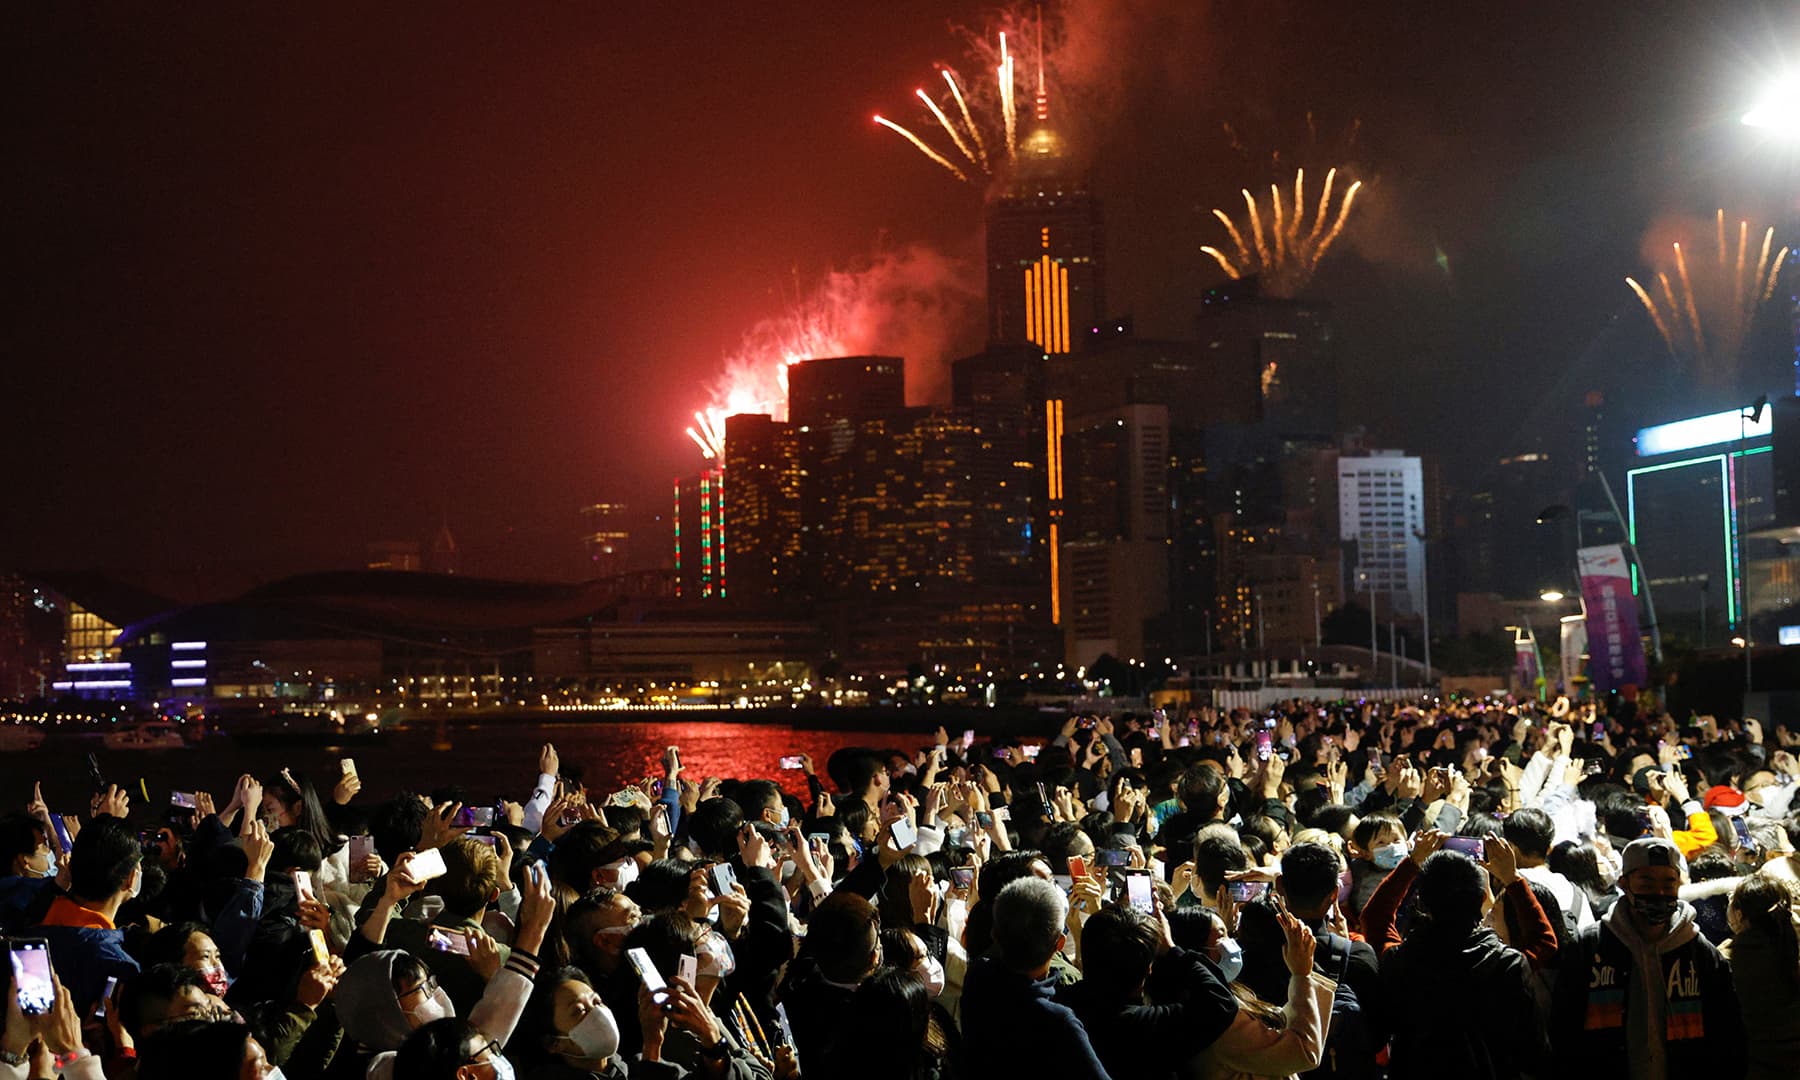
1381	508
834	390
763	505
1045	247
604	540
699	525
1288	342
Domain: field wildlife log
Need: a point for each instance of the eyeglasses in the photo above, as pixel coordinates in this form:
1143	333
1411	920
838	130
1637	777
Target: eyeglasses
485	1054
428	987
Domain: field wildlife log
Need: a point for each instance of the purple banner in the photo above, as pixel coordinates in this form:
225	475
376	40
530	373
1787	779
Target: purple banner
1615	651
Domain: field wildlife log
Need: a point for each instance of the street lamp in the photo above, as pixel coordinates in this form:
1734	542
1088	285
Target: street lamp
1551	596
1778	110
1741	564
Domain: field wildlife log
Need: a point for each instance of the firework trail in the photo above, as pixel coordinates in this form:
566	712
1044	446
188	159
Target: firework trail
1703	310
1286	254
990	118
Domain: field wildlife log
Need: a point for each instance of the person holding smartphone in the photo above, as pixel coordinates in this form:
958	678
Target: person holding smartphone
86	943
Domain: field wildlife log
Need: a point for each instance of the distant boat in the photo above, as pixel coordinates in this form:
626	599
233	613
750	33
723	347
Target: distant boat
20	737
157	735
310	728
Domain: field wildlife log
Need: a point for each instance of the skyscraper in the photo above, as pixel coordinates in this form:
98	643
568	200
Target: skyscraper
1045	249
763	506
603	539
1381	506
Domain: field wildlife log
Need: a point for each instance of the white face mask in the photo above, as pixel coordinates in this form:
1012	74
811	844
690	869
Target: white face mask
49	867
435	1007
137	879
503	1069
715	956
617	875
275	1074
931	973
597	1035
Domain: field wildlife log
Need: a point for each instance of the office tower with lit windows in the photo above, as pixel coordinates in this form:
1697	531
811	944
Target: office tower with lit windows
1381	508
1045	247
1290	344
843	389
604	540
763	506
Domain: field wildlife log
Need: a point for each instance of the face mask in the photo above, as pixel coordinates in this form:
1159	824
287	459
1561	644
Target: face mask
49	869
714	956
275	1074
216	980
597	1036
1231	959
619	874
435	1007
788	869
137	880
503	1069
931	973
783	822
1654	911
1391	855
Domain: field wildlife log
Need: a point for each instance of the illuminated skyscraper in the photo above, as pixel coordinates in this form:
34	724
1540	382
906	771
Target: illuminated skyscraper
1045	251
699	522
763	504
603	539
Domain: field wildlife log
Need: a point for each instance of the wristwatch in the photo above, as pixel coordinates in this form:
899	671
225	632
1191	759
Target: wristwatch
718	1051
9	1058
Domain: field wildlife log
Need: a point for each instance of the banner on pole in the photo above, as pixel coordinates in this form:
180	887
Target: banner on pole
1615	649
1574	642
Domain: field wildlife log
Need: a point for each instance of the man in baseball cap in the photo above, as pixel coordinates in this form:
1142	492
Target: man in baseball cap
1643	994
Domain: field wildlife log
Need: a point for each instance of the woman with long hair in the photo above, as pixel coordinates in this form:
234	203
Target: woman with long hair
290	800
1764	954
1266	1041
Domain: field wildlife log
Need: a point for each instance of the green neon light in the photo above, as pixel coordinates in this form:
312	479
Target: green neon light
1728	513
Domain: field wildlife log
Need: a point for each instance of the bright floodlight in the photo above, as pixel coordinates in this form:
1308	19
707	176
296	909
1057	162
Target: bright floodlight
1779	109
1550	596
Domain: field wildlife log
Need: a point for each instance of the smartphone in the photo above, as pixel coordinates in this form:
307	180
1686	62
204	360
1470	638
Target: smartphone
112	983
62	834
1265	745
361	847
1031	752
1043	796
721	877
956	838
792	761
471	816
984	819
321	951
968	738
1592	768
687	969
962	877
1138	892
1270	724
449	941
1077	866
1472	846
781	1021
1684	751
653	980
182	799
1000	753
1742	828
1114	857
31	975
1374	757
427	865
905	836
1245	892
482	836
303	886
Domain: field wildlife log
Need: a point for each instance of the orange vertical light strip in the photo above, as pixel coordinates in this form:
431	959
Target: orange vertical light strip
1051	465
1062	303
1059	458
1057	319
1055	581
1046	283
1031	319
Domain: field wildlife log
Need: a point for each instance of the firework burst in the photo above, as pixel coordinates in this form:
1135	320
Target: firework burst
975	116
1285	251
1703	307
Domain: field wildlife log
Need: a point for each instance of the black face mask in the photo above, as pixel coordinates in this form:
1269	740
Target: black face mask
1654	910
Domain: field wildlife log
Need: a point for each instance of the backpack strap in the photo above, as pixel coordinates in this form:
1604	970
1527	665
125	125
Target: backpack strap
1343	967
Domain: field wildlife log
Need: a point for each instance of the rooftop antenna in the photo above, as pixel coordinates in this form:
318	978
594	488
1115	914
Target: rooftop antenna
1043	97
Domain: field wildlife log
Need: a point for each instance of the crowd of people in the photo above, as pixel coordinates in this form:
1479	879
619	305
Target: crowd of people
1466	889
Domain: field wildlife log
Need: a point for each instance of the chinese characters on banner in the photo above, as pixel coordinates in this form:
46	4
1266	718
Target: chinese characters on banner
1615	649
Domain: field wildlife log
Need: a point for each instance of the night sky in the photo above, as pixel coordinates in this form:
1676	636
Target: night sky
289	282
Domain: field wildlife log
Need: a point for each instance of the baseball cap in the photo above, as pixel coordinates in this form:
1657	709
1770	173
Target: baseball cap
1649	851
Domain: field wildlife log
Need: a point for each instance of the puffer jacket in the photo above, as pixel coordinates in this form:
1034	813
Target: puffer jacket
1440	977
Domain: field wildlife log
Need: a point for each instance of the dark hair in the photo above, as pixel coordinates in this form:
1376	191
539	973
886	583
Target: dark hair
860	770
1363	836
895	896
713	826
296	848
190	1048
397	825
1530	830
471	878
169	945
661	886
666	936
754	796
581	851
104	856
537	1027
1309	875
436	1050
1580	863
893	1002
1200	789
1451	890
853	815
839	934
20	834
1214	857
1058	842
311	815
1711	864
1767	906
1118	945
151	990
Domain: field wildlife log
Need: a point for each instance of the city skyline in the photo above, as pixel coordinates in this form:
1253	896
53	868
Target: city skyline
299	298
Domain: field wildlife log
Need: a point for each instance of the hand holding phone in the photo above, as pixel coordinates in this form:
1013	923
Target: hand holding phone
792	761
652	978
426	865
905	836
449	941
1138	891
722	878
32	980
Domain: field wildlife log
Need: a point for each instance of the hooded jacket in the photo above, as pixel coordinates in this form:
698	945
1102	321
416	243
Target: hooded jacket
370	1012
1648	1010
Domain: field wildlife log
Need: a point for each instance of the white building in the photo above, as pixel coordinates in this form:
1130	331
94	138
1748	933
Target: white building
1381	506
